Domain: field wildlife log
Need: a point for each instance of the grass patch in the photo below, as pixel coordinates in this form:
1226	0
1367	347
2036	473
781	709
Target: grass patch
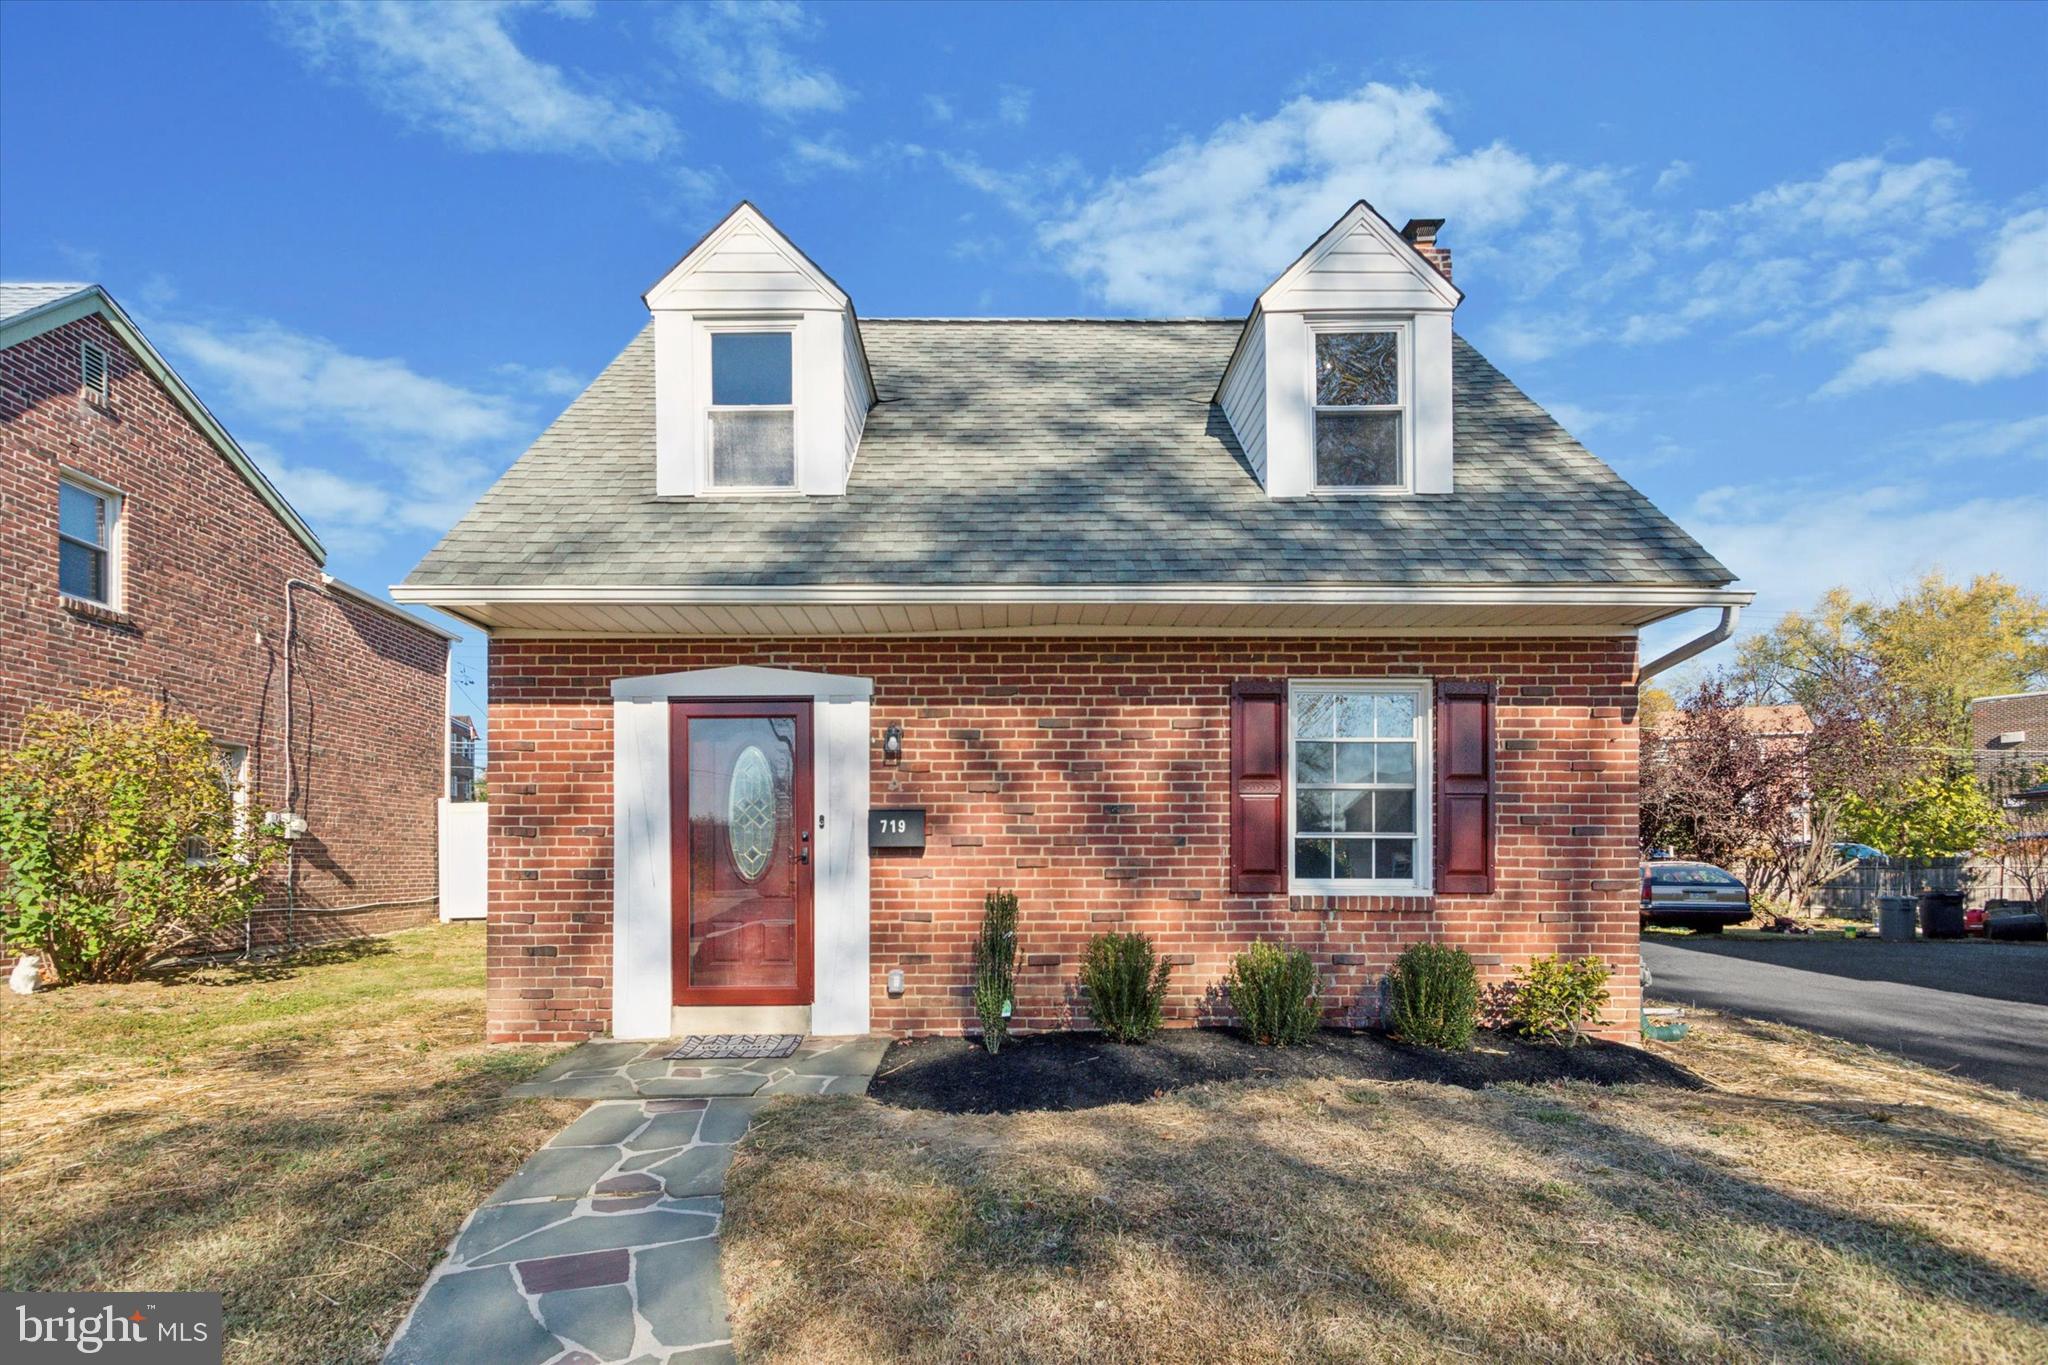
302	1135
1825	1202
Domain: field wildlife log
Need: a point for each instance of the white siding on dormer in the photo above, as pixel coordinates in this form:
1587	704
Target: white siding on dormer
1358	270
859	396
1243	395
742	270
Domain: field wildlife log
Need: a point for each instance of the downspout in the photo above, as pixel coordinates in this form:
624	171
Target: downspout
291	847
1672	658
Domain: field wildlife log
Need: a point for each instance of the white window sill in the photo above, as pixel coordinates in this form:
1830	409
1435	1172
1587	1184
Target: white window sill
1410	889
1390	491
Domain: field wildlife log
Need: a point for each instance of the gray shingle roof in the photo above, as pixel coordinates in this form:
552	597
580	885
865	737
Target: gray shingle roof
1059	453
19	296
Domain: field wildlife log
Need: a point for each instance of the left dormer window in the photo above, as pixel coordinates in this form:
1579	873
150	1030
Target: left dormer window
753	412
1361	410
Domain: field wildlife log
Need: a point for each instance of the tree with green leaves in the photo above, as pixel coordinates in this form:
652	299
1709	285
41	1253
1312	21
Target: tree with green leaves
122	838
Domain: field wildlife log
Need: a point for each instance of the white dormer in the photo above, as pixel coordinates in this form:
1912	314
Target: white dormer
1341	383
761	386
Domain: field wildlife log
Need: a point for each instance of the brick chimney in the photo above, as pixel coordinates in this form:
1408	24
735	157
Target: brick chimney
1421	234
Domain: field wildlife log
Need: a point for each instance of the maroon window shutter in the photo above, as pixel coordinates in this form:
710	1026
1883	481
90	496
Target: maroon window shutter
1258	786
1464	788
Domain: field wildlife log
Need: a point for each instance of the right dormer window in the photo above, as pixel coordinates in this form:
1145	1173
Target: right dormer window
753	412
1361	410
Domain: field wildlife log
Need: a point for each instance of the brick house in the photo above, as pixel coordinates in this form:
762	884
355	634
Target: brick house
141	548
808	630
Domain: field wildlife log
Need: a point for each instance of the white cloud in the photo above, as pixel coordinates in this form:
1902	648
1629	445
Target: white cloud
1952	124
1013	106
1980	438
552	380
808	154
1791	542
1994	329
1672	176
421	443
1862	196
938	108
455	69
1215	219
290	380
739	52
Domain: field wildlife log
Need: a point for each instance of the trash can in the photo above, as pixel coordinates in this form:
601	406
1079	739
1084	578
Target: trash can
1895	919
1941	914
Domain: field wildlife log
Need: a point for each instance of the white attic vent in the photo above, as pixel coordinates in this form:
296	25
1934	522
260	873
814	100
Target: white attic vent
92	371
2010	739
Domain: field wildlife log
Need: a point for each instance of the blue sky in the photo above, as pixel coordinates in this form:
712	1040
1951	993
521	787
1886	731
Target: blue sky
1785	268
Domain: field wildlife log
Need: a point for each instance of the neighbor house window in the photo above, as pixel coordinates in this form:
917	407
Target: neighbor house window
87	522
1358	753
232	769
753	411
1360	411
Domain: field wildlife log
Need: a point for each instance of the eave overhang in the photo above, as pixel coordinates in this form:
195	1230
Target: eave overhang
1118	609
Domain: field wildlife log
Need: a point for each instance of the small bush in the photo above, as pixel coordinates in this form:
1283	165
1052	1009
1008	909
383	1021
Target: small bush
995	968
1126	983
1273	990
121	838
1553	999
1433	997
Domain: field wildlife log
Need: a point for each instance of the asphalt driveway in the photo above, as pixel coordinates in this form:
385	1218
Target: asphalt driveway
1980	1009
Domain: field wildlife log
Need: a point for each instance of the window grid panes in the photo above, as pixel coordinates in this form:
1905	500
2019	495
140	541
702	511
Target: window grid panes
1356	788
82	542
753	413
1359	415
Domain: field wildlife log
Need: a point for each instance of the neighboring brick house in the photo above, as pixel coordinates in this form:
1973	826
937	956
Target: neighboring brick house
140	548
808	630
2009	740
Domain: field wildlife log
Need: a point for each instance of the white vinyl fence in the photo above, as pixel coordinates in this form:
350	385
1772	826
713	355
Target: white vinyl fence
465	829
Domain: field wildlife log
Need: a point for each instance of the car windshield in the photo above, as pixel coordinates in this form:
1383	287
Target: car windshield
1692	876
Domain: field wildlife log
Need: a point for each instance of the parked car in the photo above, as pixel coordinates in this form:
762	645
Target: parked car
1696	896
1859	852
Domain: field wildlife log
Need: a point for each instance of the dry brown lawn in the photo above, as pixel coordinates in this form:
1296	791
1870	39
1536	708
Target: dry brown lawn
303	1137
1822	1202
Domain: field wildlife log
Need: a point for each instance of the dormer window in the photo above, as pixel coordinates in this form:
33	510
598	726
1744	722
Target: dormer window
1361	412
752	418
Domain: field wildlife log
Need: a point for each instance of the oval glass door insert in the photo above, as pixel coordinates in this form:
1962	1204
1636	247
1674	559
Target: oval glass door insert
750	814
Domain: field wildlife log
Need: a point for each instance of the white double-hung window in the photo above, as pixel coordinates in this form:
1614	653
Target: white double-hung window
1361	409
1358	757
752	418
88	530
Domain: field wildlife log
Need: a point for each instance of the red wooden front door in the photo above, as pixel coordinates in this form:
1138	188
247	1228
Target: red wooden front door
741	850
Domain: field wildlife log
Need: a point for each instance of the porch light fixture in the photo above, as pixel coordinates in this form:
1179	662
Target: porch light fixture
892	742
895	981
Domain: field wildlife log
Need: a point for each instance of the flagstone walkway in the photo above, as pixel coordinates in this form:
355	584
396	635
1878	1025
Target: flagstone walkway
603	1248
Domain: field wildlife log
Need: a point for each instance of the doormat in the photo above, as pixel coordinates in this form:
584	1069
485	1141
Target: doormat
710	1047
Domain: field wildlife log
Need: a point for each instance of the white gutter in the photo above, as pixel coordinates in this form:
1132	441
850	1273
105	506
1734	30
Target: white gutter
1696	646
847	594
356	594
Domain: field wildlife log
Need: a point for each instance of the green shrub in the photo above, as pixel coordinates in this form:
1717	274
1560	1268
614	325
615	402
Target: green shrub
995	968
1273	990
121	837
1433	997
1554	999
1126	984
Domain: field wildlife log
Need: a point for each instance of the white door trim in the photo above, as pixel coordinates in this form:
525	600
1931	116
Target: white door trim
642	995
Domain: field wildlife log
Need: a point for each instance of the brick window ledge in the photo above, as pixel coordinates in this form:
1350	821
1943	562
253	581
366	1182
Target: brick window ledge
93	611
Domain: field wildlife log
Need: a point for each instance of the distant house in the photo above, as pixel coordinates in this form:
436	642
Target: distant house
140	548
2009	740
462	769
809	629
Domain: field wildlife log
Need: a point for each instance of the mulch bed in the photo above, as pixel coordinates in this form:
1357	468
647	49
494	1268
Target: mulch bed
1085	1070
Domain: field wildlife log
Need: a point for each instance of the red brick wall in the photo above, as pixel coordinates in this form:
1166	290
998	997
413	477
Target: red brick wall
201	626
1091	777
